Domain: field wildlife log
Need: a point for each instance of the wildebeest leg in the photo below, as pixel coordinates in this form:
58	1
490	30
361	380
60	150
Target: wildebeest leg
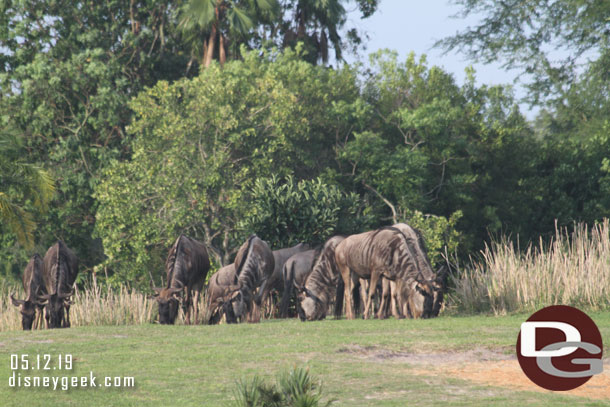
288	282
196	307
347	280
375	274
188	304
339	298
363	292
67	317
385	297
394	301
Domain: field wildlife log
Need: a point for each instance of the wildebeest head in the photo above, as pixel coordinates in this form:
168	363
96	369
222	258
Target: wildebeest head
237	305
55	308
28	312
416	298
168	304
312	308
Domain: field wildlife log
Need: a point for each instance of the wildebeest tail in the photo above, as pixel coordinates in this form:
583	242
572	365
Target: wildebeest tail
288	282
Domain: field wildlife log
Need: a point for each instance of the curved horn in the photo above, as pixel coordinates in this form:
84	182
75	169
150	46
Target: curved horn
157	290
65	295
17	302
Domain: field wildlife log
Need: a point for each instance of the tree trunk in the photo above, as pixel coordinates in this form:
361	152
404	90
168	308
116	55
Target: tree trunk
222	53
207	60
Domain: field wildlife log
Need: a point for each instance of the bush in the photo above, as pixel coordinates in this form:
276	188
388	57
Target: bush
292	389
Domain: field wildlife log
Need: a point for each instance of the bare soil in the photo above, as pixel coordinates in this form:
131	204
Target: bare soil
480	365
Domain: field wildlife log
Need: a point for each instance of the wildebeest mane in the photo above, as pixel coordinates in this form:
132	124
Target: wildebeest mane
244	257
174	257
324	275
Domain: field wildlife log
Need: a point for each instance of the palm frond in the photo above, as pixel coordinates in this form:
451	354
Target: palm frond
17	220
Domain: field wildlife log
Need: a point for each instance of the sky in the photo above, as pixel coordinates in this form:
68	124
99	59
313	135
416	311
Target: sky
415	25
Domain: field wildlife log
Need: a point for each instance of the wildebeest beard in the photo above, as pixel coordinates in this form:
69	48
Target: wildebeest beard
55	312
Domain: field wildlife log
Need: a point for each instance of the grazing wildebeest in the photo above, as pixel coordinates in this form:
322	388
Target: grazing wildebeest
384	253
60	268
416	242
275	281
219	283
254	264
323	283
33	285
295	272
186	267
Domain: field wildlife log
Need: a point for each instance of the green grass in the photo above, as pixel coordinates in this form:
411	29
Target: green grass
199	365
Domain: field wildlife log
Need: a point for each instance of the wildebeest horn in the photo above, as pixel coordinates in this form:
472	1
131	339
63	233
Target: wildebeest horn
175	290
17	302
46	296
157	290
65	295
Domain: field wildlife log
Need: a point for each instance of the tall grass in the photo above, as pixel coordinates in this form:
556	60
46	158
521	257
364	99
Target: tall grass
572	269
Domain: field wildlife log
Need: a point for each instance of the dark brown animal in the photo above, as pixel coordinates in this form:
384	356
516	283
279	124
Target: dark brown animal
217	287
384	253
33	285
60	268
295	272
254	264
186	267
438	279
322	285
276	281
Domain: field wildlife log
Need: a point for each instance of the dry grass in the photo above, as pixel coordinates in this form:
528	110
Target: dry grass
573	269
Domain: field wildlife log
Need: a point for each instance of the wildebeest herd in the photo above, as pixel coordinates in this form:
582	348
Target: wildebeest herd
383	272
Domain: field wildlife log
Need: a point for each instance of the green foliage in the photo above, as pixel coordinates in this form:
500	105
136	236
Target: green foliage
285	212
200	145
295	388
547	40
440	234
25	189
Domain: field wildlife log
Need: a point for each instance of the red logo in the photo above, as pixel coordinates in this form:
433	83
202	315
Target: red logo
559	348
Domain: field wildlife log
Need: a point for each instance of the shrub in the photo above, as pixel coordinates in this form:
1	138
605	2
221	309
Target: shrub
295	388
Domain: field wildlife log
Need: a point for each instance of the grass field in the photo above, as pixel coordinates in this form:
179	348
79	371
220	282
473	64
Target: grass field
360	363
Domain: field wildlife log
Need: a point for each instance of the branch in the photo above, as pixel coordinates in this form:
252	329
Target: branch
394	216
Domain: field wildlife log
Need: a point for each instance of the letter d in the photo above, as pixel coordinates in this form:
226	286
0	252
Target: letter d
528	338
11	380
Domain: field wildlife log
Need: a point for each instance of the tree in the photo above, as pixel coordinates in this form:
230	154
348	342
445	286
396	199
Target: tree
67	71
206	23
545	39
318	25
200	145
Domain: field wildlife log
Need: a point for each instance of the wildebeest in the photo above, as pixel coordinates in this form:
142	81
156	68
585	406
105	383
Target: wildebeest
186	267
60	268
275	281
416	242
384	253
323	283
294	273
217	287
33	285
254	264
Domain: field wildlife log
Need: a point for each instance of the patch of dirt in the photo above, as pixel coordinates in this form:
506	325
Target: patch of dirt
508	374
480	365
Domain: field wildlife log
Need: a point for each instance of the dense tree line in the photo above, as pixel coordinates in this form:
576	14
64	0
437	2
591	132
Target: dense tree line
125	123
